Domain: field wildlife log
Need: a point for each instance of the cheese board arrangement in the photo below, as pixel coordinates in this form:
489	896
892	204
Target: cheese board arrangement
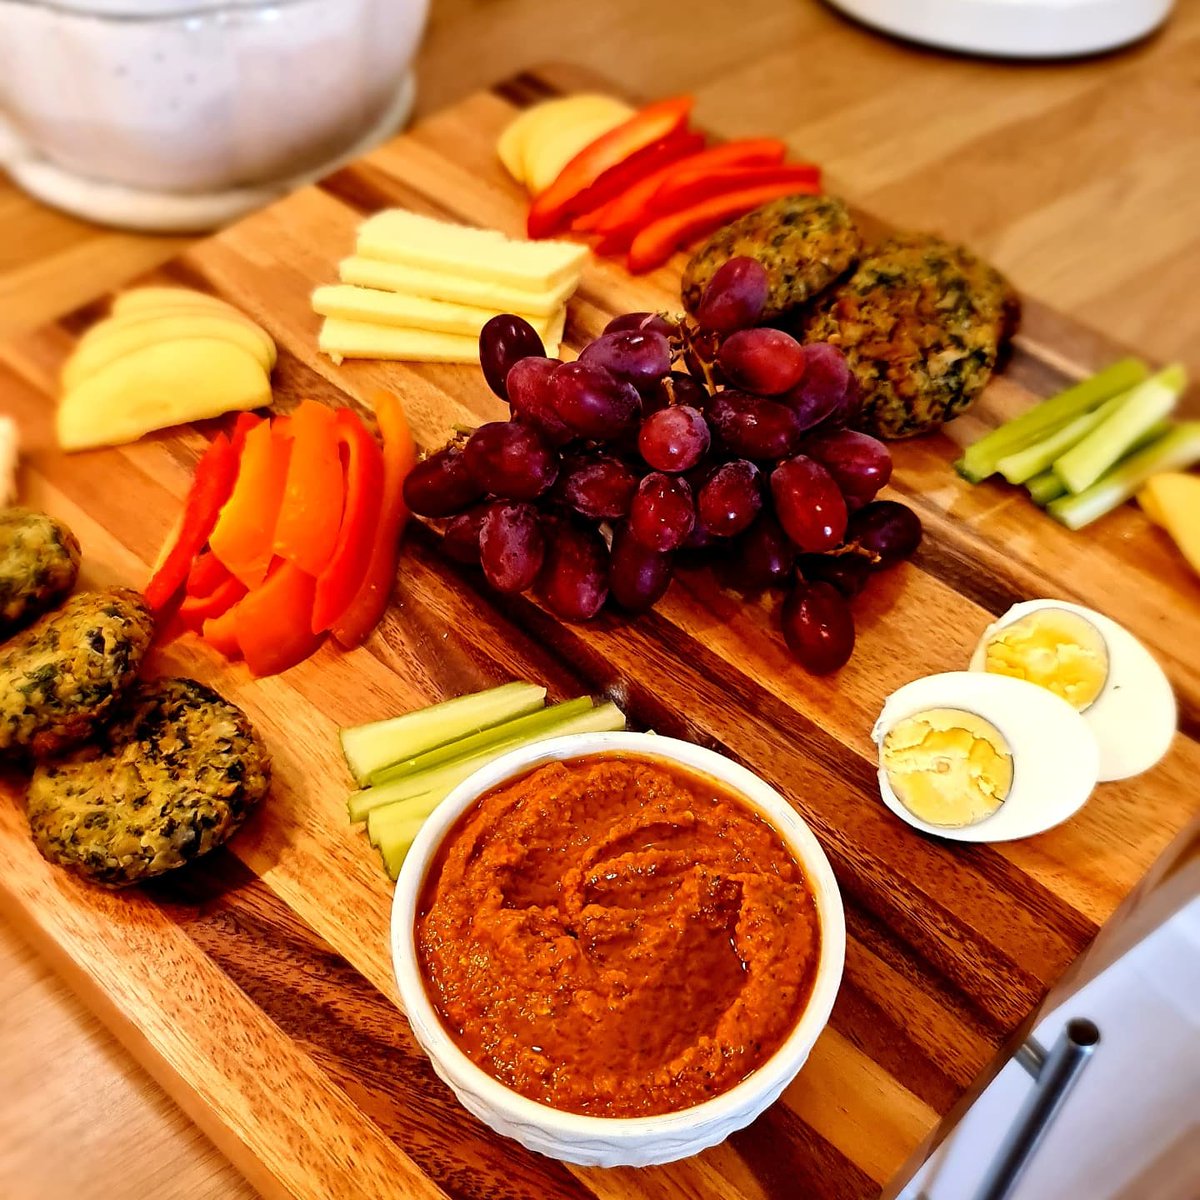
616	673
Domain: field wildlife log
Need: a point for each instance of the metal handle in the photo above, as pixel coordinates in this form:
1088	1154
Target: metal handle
1055	1074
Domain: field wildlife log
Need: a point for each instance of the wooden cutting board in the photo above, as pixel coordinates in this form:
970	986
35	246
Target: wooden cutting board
257	986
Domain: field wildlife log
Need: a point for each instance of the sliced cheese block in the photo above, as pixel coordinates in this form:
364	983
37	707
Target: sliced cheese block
147	299
342	339
417	241
160	385
529	127
412	312
458	289
552	338
1172	500
114	339
546	155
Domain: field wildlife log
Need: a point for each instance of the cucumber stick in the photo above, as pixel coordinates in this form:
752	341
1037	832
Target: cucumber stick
1175	451
982	459
432	786
371	748
530	724
1149	402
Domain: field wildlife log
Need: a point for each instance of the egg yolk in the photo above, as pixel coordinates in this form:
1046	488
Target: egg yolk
947	767
1056	649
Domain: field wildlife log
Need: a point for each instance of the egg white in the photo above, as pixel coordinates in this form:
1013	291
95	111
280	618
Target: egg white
1055	756
1134	717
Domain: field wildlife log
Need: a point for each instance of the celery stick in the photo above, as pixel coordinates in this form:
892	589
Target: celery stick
1145	405
1025	464
1175	451
439	781
519	727
369	748
1045	487
395	844
980	460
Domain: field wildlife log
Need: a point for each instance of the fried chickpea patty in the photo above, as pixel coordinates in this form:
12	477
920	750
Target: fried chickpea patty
39	563
169	779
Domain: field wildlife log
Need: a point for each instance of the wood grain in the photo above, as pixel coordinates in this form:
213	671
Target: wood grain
258	989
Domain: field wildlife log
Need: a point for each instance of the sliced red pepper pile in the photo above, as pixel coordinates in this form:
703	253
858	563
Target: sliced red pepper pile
290	530
650	187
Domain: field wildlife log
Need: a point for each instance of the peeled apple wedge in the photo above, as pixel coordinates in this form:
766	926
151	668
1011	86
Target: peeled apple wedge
112	340
1172	500
524	131
155	299
161	385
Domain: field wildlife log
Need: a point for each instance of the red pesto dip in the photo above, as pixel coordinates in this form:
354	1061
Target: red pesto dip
616	936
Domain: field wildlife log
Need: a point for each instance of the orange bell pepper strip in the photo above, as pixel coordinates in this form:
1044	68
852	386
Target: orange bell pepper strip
273	622
632	171
220	634
655	243
566	196
307	529
399	456
212	484
245	531
206	575
338	583
625	214
684	192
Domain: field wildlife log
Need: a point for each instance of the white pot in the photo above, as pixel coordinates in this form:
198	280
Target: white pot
607	1141
196	99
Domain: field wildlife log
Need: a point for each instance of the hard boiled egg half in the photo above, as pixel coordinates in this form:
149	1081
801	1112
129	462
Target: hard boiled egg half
980	757
1100	669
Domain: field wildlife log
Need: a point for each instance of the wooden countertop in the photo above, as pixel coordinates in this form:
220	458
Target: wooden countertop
1076	179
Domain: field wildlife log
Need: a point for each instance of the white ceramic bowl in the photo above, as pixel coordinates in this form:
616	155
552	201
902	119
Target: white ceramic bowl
608	1141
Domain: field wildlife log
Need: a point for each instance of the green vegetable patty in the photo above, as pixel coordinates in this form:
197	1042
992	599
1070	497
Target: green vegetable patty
59	677
171	778
39	563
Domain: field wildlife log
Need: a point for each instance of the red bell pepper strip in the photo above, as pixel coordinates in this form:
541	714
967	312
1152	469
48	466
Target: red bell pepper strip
307	529
206	575
636	167
273	622
245	531
399	456
212	485
565	196
623	216
245	422
338	583
195	610
655	243
686	190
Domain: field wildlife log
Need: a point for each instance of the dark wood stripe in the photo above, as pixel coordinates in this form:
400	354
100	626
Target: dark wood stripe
353	1032
791	1161
367	190
525	90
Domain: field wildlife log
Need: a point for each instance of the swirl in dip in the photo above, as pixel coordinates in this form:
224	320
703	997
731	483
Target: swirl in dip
616	937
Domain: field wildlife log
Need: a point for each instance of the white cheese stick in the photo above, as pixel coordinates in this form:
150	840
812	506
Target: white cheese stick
404	237
357	339
411	312
455	288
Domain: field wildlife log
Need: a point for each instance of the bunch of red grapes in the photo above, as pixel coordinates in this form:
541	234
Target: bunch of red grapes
618	467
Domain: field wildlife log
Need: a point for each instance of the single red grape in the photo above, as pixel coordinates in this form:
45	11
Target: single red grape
510	460
643	322
460	541
731	498
820	397
847	572
639	356
752	427
859	464
887	529
637	577
661	514
511	546
503	342
532	401
573	583
598	486
735	296
674	439
441	485
765	362
592	402
808	504
766	556
818	627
